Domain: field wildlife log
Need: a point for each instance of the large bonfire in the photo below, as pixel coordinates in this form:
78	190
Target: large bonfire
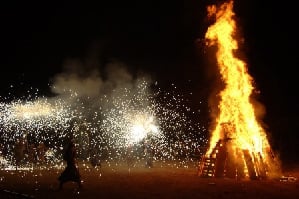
239	147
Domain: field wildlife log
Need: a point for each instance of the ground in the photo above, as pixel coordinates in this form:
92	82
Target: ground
164	180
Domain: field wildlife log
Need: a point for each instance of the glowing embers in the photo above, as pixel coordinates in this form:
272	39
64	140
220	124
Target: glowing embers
229	160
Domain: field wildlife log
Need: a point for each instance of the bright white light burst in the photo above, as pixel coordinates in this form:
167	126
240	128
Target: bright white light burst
103	127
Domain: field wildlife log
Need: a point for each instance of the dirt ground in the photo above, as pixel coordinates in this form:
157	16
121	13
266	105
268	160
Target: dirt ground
164	180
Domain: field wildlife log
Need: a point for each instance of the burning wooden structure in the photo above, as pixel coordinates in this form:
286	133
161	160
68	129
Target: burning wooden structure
239	146
227	160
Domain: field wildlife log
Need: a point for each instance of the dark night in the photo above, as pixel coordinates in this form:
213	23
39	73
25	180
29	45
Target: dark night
149	99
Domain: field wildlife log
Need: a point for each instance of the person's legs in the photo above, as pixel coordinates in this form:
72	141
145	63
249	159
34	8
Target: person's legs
79	183
60	185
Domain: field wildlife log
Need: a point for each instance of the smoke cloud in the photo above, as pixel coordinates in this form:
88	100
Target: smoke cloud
85	89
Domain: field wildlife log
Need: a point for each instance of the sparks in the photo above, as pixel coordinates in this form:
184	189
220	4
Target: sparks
104	127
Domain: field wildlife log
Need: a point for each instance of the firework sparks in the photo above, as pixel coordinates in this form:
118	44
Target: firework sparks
126	116
141	127
130	120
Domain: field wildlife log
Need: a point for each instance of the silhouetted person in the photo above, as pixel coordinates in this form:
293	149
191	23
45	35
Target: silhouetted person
71	172
41	151
32	153
19	152
130	156
148	154
95	159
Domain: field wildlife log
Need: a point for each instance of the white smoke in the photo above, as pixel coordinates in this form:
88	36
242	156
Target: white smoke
75	82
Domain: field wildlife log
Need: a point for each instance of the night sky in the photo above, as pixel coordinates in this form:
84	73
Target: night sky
163	39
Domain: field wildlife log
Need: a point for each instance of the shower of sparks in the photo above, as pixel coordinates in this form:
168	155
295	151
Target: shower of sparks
38	114
104	128
30	123
136	117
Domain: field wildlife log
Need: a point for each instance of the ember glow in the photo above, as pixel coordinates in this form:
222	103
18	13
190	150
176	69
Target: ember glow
236	124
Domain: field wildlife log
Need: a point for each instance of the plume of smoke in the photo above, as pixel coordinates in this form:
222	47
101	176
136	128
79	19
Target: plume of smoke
75	85
73	81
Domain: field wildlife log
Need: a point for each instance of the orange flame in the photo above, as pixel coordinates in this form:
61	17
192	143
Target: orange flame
236	120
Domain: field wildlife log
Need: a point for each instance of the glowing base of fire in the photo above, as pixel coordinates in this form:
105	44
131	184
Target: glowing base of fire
222	163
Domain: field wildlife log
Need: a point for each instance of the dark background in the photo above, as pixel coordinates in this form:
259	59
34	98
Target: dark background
160	38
